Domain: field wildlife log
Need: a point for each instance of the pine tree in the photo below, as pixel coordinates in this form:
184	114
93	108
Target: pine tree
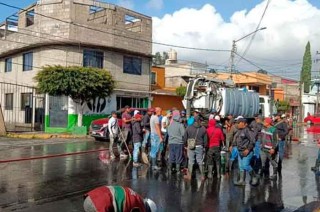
305	75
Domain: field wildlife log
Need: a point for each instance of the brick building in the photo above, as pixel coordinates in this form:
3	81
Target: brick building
81	33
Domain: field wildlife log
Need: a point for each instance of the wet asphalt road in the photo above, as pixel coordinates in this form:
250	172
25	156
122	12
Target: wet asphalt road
57	184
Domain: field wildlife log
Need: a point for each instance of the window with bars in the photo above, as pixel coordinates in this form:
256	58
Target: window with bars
26	100
153	78
8	103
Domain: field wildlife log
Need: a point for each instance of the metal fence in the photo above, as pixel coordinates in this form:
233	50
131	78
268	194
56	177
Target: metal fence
22	107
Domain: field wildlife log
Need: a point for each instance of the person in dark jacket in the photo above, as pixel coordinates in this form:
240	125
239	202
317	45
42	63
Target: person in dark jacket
176	131
282	129
137	137
199	133
215	139
244	141
256	126
146	128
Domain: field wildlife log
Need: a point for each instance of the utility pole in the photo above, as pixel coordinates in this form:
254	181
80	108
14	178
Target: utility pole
301	102
234	49
317	82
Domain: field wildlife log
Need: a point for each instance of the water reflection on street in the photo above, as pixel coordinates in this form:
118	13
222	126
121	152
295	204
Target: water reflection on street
56	183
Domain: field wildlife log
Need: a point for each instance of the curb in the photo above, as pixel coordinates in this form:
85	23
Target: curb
44	136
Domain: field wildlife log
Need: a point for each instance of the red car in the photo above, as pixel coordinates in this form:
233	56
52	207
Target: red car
313	119
99	128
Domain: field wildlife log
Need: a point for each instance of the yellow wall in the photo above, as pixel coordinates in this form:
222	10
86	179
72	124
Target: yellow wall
160	79
278	94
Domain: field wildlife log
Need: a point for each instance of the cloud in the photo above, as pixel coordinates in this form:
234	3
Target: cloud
278	49
126	4
155	4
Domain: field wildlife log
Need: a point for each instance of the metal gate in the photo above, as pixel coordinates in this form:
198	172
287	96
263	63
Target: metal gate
22	107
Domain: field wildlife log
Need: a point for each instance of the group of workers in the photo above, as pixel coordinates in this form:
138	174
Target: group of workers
180	144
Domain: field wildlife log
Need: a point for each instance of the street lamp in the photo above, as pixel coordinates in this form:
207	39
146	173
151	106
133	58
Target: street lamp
234	47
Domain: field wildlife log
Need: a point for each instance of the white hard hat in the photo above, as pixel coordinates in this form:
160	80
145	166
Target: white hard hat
239	117
150	205
136	112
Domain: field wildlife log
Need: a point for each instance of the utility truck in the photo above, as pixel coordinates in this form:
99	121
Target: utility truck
208	94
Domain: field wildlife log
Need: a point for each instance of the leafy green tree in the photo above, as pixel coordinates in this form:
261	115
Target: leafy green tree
181	91
81	84
283	106
305	75
160	59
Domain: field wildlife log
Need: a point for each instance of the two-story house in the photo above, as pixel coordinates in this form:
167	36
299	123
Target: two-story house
74	33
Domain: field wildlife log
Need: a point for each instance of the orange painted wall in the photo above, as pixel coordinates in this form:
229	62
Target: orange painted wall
160	78
278	94
263	90
167	102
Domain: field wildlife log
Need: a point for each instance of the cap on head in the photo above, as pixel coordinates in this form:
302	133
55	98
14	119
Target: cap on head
283	115
113	112
241	120
150	205
138	116
196	111
213	110
136	112
168	112
197	119
127	107
217	118
268	120
239	117
183	112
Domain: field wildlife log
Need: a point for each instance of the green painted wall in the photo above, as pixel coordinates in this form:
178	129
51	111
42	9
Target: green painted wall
72	123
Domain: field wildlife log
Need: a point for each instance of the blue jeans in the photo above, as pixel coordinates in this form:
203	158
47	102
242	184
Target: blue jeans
281	149
244	162
318	155
136	151
155	145
146	137
176	153
257	149
234	153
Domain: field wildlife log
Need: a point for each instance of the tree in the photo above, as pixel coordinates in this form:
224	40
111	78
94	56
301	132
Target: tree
305	75
181	91
81	84
283	106
159	59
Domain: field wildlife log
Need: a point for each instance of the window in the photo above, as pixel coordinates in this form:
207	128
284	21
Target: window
132	65
27	61
132	102
153	78
8	104
92	58
26	100
30	18
8	65
94	9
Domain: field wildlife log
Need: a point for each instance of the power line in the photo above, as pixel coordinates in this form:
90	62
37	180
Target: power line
254	35
118	35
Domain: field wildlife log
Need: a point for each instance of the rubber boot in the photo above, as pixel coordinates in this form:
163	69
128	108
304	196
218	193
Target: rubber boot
210	168
178	168
203	177
188	176
230	164
254	178
242	179
316	166
154	164
218	170
279	169
274	174
172	168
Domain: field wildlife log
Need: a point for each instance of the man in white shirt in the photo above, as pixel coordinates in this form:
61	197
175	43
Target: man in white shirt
113	128
164	126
